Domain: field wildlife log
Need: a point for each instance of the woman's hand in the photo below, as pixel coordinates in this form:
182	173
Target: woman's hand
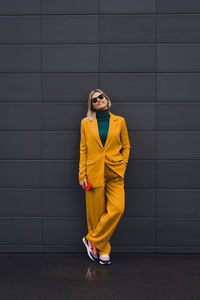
83	183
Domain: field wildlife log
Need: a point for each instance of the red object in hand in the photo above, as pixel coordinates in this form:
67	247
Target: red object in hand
88	185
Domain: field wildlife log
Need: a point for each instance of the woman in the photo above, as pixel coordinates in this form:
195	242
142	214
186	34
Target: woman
104	154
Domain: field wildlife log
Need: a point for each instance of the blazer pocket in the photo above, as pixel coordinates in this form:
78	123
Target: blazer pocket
90	162
117	159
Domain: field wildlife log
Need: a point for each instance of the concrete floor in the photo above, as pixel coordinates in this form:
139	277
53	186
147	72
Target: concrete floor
59	276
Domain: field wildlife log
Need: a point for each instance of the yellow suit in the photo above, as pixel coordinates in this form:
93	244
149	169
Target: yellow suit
93	155
105	168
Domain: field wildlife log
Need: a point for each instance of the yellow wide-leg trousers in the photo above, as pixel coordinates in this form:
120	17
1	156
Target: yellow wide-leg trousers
104	213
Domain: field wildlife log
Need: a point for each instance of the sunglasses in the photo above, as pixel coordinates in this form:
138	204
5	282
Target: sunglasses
94	100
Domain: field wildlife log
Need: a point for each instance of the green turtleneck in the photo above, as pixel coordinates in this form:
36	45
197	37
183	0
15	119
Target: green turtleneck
103	117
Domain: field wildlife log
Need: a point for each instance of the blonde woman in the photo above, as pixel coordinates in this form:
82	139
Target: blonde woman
104	154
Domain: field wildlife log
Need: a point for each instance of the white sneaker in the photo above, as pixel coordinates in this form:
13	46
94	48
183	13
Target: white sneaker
104	259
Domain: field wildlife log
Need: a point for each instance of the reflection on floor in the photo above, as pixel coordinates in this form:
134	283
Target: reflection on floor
59	276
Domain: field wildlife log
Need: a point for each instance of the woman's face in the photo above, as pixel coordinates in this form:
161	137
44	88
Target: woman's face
101	103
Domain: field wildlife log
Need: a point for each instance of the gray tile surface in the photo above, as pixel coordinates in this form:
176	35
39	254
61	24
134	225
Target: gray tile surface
145	56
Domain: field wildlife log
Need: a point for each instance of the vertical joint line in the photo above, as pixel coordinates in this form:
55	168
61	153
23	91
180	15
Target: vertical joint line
156	204
41	86
99	81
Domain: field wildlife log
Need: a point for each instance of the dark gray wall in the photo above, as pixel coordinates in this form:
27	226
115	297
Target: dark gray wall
145	55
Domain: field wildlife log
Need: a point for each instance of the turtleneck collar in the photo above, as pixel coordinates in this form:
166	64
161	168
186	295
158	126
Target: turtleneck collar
102	114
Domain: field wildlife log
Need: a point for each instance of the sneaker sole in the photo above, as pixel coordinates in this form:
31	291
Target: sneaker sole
88	250
105	263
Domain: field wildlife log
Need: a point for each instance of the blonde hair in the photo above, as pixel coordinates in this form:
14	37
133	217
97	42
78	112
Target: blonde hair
91	113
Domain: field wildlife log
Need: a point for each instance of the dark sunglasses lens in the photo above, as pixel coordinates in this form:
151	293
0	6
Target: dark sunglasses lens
94	100
101	96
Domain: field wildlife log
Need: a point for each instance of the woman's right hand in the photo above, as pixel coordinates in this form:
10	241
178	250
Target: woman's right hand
83	183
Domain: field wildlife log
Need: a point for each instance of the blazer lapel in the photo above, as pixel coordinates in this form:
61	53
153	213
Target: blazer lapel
111	130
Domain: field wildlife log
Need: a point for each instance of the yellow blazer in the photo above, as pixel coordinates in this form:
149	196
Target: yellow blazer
93	155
